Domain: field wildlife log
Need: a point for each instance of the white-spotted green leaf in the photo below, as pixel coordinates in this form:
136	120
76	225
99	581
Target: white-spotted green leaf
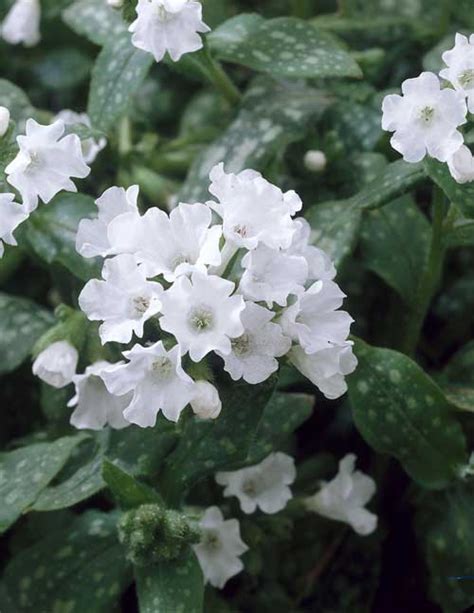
22	322
119	71
28	470
457	379
460	194
402	412
176	585
127	491
16	101
283	47
77	568
95	20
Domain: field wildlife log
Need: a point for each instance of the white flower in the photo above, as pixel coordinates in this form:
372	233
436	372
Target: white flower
272	275
95	406
92	237
315	160
202	314
11	216
157	380
460	67
124	300
21	25
326	368
4	120
265	485
220	547
314	321
205	402
253	210
424	119
461	165
253	353
56	365
45	163
90	147
171	26
170	245
344	497
116	4
320	266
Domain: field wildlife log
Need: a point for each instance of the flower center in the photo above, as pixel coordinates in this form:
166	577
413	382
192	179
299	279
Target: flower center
162	368
34	162
201	318
249	487
466	78
180	259
140	305
163	14
212	541
241	345
427	114
242	231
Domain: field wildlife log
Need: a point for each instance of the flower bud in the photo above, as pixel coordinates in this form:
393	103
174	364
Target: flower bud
4	120
115	4
56	365
206	402
21	25
315	161
461	165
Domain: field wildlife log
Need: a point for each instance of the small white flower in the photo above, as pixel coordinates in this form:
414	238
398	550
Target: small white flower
92	237
171	26
56	365
326	368
314	321
271	275
170	245
265	485
95	406
124	300
253	210
11	216
202	314
461	165
116	4
220	547
253	353
315	160
90	147
21	25
4	120
45	163
424	119
206	402
344	498
460	67
320	266
157	380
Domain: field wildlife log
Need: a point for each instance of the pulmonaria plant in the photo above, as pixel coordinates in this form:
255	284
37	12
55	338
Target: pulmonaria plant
179	274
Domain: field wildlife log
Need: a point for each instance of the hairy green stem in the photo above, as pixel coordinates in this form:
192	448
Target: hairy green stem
215	74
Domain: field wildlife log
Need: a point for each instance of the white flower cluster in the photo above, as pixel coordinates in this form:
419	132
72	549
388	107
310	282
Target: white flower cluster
175	270
426	118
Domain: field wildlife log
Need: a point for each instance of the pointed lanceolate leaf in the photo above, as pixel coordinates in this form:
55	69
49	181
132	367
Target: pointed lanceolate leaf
126	489
401	411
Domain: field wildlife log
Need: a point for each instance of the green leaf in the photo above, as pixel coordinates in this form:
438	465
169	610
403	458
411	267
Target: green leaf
22	323
400	411
207	446
71	570
51	233
272	116
461	234
16	101
95	20
284	47
63	68
175	585
460	194
26	471
119	71
126	489
395	242
457	380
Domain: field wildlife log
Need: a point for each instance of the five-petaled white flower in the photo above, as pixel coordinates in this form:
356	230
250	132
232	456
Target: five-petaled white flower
171	26
460	67
95	406
220	547
21	25
201	313
425	119
157	380
206	402
123	301
90	147
11	216
253	352
253	210
265	485
45	163
344	498
56	365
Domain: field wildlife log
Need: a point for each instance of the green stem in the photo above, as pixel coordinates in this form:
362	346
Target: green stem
430	277
214	73
124	136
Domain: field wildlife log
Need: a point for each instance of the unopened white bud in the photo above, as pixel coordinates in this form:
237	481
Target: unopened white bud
315	161
115	4
461	165
4	120
57	364
206	402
